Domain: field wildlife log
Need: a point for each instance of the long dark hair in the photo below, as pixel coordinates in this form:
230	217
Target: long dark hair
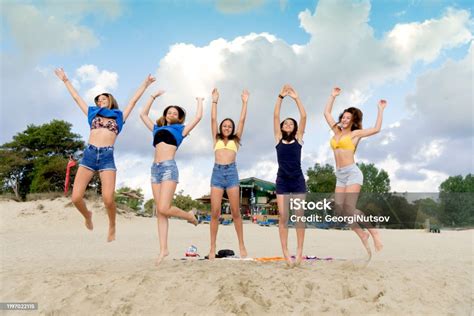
112	102
181	115
232	135
289	136
356	118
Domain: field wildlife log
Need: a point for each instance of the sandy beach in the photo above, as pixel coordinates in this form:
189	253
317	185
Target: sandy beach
48	257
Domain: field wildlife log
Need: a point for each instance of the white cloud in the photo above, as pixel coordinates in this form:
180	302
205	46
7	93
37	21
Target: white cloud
54	28
424	40
102	81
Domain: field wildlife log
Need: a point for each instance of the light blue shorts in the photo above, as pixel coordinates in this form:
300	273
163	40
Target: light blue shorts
164	171
225	176
349	175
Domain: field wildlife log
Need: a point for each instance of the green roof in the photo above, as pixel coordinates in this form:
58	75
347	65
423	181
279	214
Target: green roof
258	184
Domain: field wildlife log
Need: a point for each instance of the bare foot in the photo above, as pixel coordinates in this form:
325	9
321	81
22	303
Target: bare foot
365	242
288	260
212	254
89	224
193	218
377	243
299	257
111	235
162	256
243	252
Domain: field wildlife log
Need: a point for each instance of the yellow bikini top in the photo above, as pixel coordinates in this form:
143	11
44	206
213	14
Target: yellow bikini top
345	142
231	145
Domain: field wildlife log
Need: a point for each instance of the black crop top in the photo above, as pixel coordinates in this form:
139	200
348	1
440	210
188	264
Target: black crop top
164	136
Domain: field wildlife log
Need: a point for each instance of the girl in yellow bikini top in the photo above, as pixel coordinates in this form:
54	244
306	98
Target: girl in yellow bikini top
345	142
231	145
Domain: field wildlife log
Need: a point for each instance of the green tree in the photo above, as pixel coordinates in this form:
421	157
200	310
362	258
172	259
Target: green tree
457	200
132	198
12	167
321	179
49	174
51	139
149	207
186	202
375	180
36	159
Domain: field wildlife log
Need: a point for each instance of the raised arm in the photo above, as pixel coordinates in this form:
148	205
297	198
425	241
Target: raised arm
243	113
146	83
378	123
215	99
197	118
302	124
146	109
62	75
327	111
276	113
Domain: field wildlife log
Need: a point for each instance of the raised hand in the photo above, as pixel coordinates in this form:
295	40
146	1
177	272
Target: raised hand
245	95
336	91
291	92
284	90
61	74
382	104
215	95
157	93
149	80
199	99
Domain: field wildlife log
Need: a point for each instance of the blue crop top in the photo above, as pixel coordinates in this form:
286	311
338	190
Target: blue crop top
176	130
116	114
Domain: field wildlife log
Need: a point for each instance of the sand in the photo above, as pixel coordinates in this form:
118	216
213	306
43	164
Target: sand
49	257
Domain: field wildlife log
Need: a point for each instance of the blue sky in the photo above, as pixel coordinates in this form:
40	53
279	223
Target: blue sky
128	39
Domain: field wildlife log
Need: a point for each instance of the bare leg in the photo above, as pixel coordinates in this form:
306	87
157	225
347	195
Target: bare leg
283	228
233	194
162	223
107	178
167	190
300	230
81	180
216	203
350	201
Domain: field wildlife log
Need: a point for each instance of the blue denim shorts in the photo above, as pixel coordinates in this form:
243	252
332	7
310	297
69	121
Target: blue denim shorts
225	176
98	158
164	171
349	175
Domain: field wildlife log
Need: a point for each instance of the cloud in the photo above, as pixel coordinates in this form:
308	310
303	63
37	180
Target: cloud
54	28
346	53
439	133
37	96
102	81
424	40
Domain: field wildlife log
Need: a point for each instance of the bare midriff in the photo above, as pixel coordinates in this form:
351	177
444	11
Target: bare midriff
164	151
224	156
102	137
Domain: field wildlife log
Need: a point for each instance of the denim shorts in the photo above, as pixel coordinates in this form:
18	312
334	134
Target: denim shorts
290	185
349	175
164	171
225	176
98	158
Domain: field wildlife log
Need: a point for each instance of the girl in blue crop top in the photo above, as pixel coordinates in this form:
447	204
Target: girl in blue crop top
290	181
106	122
168	133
